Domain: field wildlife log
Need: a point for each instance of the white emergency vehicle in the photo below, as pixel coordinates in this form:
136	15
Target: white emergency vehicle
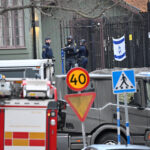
28	68
29	107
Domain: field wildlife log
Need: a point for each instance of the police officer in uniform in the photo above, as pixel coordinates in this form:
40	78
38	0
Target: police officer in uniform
83	54
47	52
70	54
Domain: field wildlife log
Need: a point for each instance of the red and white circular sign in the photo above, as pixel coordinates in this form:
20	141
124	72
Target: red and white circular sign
77	79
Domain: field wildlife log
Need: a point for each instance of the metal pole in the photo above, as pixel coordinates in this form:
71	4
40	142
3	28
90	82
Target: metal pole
127	119
34	33
83	134
102	45
118	120
62	66
83	131
62	59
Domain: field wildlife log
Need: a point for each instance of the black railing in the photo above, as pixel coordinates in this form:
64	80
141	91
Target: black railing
99	33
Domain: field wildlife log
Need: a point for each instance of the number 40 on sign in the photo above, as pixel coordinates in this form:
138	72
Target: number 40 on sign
77	79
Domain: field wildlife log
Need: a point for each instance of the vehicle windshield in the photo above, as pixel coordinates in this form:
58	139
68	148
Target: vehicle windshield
19	73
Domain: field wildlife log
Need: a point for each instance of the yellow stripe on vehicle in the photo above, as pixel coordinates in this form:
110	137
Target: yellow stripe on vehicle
8	135
20	142
37	135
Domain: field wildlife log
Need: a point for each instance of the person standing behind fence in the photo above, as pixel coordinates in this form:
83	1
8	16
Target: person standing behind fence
83	54
47	52
70	53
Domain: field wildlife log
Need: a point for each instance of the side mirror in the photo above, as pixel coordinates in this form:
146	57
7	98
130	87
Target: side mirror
61	120
61	115
138	97
61	105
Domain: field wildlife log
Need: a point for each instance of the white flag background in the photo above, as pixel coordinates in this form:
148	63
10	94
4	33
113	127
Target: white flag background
119	48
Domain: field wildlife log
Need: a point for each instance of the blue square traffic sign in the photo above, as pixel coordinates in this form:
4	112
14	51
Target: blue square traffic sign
123	81
1	76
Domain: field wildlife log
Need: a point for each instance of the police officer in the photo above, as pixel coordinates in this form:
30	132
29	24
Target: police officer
47	52
70	53
83	54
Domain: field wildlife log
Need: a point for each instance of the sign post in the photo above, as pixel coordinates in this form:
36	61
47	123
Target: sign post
123	82
77	80
83	134
118	120
62	60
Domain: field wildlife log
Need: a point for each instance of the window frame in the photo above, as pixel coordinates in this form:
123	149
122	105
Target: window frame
5	37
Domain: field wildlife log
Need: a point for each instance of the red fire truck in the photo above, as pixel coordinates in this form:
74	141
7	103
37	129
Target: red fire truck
28	125
28	122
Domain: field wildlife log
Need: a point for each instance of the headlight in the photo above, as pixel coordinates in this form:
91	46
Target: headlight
53	122
53	114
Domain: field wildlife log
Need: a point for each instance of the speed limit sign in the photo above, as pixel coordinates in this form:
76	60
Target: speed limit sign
77	79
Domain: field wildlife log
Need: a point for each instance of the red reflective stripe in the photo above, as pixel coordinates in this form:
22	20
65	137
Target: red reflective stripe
53	134
1	129
21	135
24	83
8	142
37	143
55	94
49	84
47	129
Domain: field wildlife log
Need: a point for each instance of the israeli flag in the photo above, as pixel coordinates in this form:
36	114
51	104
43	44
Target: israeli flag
119	48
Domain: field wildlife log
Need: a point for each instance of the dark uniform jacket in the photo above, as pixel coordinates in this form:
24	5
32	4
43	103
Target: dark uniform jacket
47	52
70	50
83	51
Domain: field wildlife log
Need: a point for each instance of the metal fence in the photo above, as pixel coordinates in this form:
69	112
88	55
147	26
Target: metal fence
99	33
135	30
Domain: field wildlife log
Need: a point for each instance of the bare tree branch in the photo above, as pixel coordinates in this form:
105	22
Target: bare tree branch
95	7
49	14
14	8
42	6
79	12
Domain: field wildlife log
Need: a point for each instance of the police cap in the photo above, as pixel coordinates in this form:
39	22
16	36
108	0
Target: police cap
48	38
69	37
82	41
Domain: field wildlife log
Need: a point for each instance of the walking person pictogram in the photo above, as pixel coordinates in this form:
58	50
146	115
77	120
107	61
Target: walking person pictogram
124	79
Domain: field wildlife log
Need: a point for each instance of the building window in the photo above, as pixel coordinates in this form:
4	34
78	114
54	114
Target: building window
12	26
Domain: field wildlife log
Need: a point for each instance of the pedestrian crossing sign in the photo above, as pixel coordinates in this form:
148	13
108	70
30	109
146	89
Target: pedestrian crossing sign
123	81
